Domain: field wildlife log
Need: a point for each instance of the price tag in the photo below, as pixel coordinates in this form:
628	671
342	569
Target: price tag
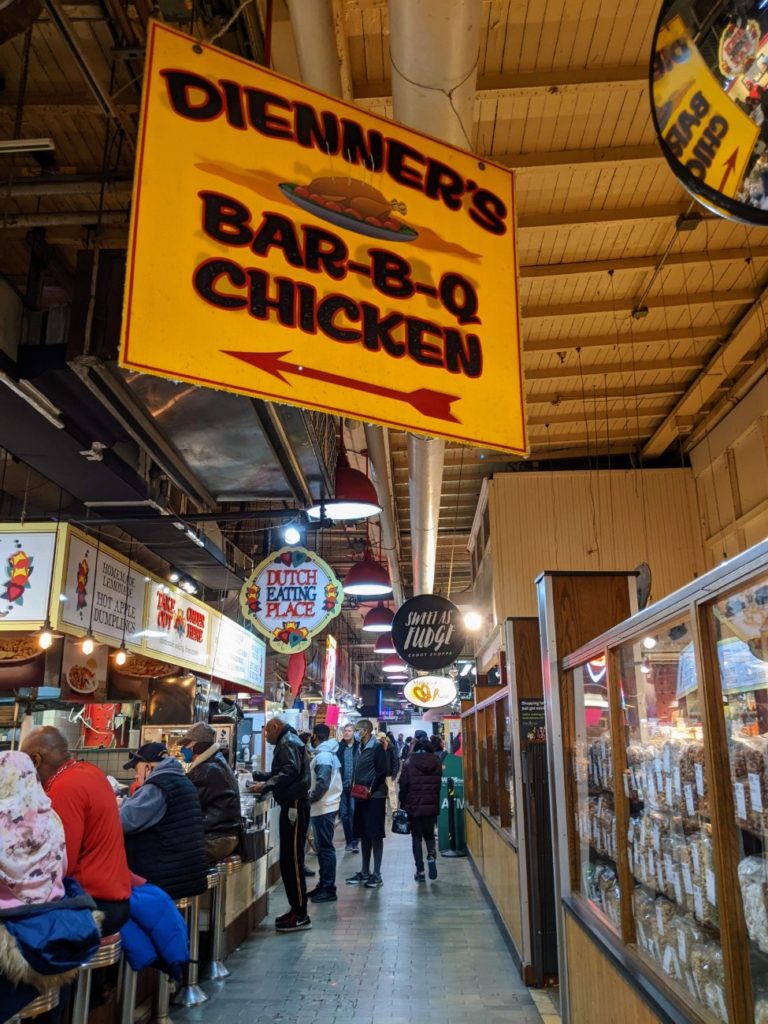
659	876
676	781
666	963
659	780
695	858
677	888
667	760
689	803
710	879
668	790
720	999
698	902
755	792
656	837
659	920
687	880
668	868
698	770
625	777
741	803
682	948
651	787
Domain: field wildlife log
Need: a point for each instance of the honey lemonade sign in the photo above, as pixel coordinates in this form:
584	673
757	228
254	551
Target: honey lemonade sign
287	245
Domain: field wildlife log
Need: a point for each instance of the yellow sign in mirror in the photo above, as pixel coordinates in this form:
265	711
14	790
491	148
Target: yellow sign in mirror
293	247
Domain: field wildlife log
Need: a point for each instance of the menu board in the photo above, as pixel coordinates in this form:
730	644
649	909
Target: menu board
26	565
177	627
100	593
238	655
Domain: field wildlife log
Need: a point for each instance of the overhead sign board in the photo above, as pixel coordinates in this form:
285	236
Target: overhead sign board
238	655
26	568
431	691
178	627
329	669
312	253
290	597
428	632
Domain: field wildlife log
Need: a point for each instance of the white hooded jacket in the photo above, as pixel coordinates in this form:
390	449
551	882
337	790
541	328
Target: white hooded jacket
325	790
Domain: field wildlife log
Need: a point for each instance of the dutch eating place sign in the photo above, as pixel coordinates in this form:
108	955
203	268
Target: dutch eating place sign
290	246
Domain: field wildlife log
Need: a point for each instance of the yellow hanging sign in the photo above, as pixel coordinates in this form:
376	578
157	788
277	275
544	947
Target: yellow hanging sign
293	247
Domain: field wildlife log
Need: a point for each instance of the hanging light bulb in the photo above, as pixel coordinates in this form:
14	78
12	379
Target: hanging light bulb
45	637
354	496
89	643
378	619
367	578
473	621
121	657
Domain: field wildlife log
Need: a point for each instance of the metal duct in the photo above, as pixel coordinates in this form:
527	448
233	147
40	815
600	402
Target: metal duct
434	53
377	443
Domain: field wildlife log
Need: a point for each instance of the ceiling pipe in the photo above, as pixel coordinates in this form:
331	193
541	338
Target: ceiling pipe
316	33
434	48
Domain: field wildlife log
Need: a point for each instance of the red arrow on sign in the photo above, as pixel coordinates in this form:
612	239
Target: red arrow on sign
730	167
434	404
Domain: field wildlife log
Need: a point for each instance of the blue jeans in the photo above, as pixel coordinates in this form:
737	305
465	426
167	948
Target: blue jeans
323	826
346	813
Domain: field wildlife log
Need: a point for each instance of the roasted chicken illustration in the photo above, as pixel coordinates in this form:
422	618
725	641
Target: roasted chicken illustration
353	199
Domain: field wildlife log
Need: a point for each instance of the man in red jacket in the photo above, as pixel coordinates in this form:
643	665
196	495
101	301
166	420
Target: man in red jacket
83	799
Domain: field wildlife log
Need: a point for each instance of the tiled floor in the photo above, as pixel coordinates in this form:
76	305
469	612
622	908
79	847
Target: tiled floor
403	954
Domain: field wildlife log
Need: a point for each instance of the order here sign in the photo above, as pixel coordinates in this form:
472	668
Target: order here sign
293	247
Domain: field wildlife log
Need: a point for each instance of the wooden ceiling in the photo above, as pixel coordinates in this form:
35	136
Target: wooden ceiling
562	95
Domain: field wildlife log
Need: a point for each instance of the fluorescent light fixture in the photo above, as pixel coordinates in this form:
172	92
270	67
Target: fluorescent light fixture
466	670
8	147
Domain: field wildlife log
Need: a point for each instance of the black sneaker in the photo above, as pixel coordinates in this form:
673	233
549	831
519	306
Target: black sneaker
294	923
309	873
358	879
313	892
419	877
432	867
324	896
374	881
282	918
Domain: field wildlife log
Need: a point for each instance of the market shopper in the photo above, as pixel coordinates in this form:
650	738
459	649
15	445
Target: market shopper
349	748
370	776
217	789
393	767
289	781
83	799
420	797
163	825
324	797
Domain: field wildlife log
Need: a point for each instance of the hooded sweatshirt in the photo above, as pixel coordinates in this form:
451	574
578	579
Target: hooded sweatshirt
325	791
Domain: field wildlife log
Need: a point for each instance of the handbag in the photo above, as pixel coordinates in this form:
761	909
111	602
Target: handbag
360	792
401	825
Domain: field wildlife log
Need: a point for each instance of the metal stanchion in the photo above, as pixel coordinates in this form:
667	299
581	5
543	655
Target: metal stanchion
190	994
108	953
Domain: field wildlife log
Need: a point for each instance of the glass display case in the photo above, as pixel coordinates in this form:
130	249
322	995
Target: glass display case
489	783
665	760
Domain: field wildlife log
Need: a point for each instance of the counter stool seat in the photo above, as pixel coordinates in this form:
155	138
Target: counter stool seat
216	971
47	1001
108	953
190	993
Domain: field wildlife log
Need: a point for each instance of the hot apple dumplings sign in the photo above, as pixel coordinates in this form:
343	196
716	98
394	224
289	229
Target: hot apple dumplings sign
290	597
290	246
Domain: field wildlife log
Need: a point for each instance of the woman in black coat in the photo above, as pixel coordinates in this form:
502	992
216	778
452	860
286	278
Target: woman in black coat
420	796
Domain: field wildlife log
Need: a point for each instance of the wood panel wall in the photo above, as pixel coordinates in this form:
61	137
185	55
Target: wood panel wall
500	873
598	993
591	521
730	469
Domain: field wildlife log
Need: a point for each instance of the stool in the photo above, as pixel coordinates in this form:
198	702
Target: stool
108	953
190	994
161	999
216	970
44	1003
127	994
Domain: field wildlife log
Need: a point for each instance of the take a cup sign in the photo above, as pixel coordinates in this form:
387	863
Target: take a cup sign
428	632
709	98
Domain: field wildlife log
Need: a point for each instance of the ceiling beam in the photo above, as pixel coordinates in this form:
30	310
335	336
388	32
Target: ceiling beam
66	185
575	372
628	263
73	103
691	334
523	84
589	437
647	411
748	335
731	297
606	394
541	162
80	218
621	215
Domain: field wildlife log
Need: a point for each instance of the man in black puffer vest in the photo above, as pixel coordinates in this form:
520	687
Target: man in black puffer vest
289	783
163	825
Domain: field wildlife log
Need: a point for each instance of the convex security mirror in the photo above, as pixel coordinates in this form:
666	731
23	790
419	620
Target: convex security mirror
709	96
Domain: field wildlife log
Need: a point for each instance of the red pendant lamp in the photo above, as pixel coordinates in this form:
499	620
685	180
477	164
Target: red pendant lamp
393	664
378	619
368	578
384	644
354	496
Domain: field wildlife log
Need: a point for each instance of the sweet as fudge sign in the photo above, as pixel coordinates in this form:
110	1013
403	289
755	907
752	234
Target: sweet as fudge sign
290	597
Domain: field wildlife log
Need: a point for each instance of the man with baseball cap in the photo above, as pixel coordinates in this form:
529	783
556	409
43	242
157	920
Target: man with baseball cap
163	824
217	788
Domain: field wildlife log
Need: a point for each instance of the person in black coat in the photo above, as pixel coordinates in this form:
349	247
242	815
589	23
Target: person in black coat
371	770
420	797
217	788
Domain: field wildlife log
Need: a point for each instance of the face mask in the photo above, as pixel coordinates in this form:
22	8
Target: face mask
188	754
357	736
